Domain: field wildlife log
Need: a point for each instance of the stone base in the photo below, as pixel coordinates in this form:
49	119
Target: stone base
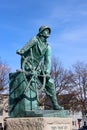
39	123
42	113
46	113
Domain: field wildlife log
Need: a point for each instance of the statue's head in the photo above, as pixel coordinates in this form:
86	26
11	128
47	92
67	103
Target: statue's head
44	31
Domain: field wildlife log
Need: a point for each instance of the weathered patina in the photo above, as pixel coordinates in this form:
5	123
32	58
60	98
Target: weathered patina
33	76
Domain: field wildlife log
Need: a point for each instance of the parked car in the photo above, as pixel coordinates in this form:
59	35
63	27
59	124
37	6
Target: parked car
83	128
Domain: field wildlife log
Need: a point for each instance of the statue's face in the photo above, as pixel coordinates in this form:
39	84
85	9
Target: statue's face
46	33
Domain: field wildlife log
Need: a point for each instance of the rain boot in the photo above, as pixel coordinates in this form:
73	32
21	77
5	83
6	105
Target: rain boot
55	104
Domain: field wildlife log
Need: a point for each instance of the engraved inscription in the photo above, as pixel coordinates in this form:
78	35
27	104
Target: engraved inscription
58	127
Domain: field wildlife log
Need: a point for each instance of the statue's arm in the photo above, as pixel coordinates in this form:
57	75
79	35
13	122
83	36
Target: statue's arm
27	46
47	60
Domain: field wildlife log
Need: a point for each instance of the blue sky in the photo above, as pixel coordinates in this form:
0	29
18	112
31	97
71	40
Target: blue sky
20	20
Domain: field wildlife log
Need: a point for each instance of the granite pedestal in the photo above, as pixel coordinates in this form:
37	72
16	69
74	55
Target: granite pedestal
41	120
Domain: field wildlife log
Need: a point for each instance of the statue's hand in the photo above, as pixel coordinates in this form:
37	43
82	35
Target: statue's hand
48	76
20	52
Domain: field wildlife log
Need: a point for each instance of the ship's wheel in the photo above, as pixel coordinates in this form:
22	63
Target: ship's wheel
34	75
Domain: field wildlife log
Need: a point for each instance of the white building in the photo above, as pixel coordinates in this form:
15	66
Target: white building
78	120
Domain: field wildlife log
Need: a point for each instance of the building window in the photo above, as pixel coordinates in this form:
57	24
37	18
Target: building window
73	123
1	111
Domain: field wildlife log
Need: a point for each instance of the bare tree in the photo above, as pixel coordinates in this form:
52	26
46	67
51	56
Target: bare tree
80	74
63	78
71	85
4	77
4	73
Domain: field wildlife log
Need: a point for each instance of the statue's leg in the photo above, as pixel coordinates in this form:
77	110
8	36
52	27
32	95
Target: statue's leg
51	92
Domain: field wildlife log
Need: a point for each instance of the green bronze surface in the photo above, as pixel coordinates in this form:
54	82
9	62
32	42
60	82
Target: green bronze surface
33	77
21	98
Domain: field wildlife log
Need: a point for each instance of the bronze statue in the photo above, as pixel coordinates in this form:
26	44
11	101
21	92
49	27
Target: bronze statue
36	65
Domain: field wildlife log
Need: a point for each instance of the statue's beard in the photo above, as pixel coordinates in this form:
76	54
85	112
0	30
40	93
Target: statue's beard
43	36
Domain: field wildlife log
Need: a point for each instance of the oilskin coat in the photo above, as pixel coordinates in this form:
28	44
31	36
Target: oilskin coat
41	51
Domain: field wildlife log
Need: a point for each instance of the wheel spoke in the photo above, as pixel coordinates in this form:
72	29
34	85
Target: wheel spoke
36	72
